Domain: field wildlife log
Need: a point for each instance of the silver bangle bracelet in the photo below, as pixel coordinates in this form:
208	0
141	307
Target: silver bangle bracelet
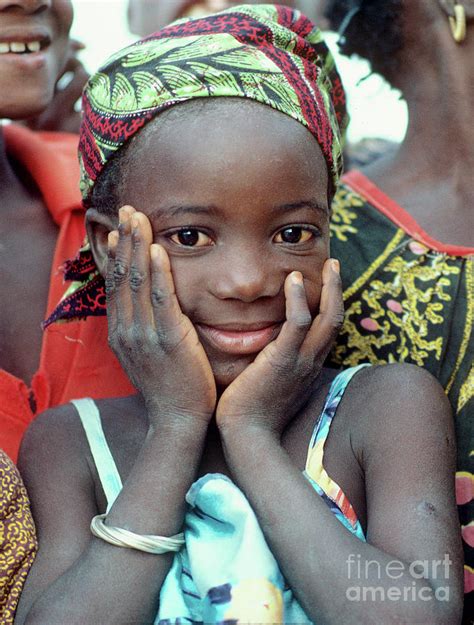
123	538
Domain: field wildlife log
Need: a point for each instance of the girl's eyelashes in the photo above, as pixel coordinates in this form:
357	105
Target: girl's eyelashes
294	235
190	237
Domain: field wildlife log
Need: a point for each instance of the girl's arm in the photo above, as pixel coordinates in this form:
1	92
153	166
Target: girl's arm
78	578
410	569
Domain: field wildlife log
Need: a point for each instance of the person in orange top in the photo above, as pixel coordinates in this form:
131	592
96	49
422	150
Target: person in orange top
42	226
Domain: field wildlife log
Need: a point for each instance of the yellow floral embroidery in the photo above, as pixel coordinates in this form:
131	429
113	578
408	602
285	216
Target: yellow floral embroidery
17	538
378	262
467	391
342	216
467	332
419	288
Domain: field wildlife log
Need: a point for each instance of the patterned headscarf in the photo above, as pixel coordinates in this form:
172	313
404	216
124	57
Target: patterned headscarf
268	53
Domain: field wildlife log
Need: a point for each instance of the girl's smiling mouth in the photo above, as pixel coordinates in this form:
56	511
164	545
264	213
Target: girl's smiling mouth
239	339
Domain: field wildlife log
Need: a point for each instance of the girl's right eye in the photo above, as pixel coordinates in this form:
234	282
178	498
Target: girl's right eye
190	237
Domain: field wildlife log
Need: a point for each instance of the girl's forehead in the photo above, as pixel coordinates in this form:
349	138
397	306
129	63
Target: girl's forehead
226	126
225	183
223	148
218	115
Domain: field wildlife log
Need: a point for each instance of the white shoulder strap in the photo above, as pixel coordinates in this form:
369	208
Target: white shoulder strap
106	467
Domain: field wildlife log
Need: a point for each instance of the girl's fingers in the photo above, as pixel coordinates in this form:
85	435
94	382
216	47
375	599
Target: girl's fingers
298	316
110	280
328	321
166	309
123	256
139	277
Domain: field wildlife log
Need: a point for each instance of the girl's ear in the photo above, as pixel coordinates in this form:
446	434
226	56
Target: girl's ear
98	227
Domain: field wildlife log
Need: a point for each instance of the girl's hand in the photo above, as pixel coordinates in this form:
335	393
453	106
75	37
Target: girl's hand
154	341
271	390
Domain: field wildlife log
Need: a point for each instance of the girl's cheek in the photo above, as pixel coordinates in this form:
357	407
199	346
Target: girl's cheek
189	286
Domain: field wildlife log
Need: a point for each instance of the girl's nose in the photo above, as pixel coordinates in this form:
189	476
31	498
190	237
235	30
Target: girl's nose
246	276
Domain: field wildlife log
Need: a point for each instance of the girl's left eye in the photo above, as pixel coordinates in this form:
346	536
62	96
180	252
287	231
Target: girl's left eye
190	237
294	235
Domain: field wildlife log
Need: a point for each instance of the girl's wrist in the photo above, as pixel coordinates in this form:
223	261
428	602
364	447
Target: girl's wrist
167	414
242	433
176	427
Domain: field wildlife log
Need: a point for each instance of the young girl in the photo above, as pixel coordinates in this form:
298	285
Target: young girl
244	482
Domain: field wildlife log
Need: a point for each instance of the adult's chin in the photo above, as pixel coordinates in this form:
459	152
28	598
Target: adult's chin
20	105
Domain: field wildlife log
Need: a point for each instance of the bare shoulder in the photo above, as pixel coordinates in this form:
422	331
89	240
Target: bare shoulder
402	382
54	457
401	429
60	428
56	471
397	400
56	430
55	445
402	434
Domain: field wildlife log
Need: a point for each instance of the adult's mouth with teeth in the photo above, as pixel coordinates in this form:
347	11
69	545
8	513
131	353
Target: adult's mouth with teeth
23	47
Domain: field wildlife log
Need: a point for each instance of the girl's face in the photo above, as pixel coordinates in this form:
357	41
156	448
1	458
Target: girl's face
34	45
237	193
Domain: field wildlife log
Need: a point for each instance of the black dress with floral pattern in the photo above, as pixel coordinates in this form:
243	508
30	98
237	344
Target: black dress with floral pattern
409	298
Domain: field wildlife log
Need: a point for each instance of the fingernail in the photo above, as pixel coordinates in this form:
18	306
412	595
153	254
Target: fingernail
112	238
125	213
122	215
297	278
134	222
335	265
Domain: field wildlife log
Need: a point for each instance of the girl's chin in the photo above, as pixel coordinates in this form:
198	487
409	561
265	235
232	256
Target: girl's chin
226	373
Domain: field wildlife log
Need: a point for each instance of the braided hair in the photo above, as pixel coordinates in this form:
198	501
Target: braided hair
371	29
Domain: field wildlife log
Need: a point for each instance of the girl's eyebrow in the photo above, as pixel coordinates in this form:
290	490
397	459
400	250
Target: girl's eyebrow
174	211
312	204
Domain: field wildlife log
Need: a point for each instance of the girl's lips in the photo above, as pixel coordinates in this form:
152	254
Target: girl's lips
238	342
